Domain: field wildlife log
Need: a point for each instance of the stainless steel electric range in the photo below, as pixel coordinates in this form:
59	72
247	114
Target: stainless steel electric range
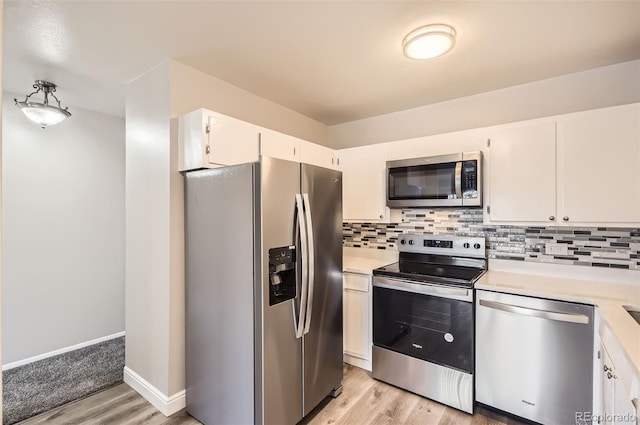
423	327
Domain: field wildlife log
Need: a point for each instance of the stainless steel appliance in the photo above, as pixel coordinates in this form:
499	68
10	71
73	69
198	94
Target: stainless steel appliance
435	181
423	331
263	291
536	357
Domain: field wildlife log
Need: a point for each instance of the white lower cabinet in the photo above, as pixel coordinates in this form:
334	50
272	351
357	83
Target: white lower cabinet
616	402
356	307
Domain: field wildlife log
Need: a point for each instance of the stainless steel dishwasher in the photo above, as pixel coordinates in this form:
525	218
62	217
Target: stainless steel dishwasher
534	357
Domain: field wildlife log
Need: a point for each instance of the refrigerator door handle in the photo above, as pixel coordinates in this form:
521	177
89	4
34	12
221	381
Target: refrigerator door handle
311	261
302	229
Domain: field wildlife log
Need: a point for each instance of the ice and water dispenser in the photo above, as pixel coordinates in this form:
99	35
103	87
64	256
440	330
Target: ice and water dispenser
282	274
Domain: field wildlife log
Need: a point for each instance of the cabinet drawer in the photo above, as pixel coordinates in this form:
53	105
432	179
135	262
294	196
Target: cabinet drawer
357	282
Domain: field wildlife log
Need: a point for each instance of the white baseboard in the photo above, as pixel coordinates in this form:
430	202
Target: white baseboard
166	405
60	351
357	361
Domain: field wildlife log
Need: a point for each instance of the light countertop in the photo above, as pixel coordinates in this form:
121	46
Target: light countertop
363	261
608	297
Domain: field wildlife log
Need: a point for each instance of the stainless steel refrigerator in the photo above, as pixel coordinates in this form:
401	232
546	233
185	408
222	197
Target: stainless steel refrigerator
263	291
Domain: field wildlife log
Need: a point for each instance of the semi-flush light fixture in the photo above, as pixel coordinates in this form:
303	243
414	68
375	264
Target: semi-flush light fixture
429	41
41	112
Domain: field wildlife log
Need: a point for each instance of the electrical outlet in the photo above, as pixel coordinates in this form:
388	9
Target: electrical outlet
556	249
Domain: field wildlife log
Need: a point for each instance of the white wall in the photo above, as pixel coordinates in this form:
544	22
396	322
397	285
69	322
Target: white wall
192	89
148	247
1	31
62	231
597	88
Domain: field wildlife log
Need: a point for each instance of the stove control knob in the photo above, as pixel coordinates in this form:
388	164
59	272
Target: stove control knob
466	245
476	245
411	242
402	241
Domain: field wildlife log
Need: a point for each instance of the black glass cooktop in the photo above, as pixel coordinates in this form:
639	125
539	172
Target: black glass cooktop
431	273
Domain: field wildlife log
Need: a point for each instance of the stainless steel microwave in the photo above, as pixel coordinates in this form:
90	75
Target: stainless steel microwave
435	181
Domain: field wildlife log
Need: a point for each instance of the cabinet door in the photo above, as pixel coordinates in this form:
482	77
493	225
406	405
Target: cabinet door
279	145
364	185
599	156
230	141
207	139
311	153
623	409
606	385
617	407
522	174
357	316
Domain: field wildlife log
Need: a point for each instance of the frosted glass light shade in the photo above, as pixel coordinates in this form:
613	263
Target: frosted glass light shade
42	114
429	41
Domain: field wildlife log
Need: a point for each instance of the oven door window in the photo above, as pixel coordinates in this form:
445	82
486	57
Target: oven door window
433	181
435	329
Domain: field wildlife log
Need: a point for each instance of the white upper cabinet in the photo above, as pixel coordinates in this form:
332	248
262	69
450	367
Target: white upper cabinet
208	139
311	153
363	183
279	145
580	169
283	146
599	166
522	173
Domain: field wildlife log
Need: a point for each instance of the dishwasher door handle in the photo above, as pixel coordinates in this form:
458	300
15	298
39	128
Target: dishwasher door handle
533	312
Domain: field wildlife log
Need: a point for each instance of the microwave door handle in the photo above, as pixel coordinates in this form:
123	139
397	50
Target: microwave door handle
301	229
458	180
312	258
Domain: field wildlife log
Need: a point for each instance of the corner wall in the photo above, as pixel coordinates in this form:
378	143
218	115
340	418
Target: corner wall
1	213
147	270
62	231
612	85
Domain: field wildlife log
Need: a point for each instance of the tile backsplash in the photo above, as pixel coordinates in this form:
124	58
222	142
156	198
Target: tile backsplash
587	246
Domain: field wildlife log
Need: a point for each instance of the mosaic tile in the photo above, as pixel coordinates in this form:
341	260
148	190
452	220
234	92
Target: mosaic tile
591	247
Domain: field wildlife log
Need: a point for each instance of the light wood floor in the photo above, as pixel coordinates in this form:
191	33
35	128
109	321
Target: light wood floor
364	401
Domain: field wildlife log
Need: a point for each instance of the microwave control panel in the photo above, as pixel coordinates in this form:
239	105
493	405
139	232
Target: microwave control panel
470	179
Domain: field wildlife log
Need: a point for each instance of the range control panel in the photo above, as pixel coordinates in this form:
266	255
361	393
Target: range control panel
466	246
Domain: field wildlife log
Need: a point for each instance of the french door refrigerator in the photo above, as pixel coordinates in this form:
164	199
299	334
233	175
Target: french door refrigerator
263	291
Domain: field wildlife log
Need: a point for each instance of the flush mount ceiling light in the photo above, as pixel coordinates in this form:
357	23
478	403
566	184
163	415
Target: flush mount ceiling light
42	113
429	41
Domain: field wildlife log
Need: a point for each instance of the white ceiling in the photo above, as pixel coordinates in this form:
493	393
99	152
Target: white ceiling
334	61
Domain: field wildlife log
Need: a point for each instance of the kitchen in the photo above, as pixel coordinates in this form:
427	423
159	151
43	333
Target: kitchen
153	193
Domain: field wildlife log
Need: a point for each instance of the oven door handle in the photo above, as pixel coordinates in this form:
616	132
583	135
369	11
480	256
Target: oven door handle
461	294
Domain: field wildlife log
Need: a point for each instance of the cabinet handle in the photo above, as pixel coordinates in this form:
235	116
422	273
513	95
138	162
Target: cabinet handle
381	215
606	368
551	218
565	218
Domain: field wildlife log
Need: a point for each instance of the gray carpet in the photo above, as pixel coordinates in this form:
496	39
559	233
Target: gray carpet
40	386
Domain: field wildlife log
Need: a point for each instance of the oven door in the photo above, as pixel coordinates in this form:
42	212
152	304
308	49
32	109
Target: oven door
428	322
